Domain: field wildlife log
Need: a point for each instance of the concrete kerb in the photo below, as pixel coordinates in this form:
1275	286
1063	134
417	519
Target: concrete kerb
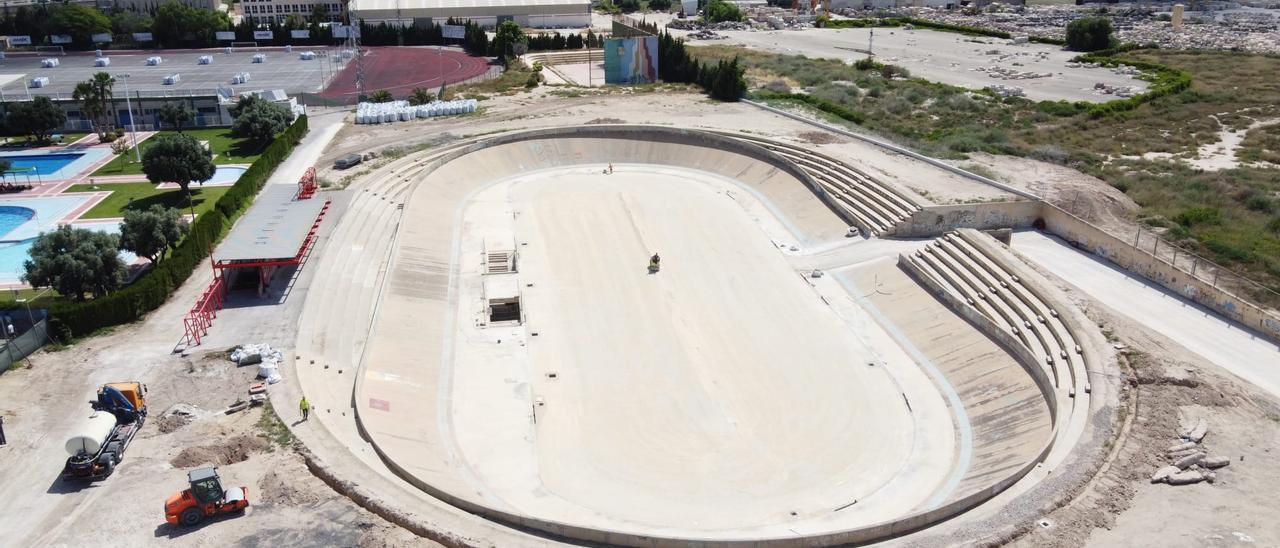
879	531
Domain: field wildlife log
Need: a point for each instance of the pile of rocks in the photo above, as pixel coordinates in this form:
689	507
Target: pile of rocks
1189	461
706	35
1006	91
1118	91
696	24
1221	26
1012	74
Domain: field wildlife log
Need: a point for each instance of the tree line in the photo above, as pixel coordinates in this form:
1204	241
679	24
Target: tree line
725	80
172	24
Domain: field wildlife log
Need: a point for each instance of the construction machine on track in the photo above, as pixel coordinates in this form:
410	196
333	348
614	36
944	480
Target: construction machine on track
205	498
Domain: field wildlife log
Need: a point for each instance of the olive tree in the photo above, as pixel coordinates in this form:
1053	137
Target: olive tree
177	159
75	262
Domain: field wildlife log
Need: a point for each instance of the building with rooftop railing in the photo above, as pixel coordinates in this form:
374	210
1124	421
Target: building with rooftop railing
487	13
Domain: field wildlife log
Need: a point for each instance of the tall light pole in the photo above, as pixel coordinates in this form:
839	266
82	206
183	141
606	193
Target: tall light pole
133	124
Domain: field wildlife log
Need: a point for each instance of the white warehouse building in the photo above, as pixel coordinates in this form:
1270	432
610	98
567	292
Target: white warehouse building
487	13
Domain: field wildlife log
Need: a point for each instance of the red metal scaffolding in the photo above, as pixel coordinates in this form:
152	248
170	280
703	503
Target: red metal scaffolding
307	186
200	317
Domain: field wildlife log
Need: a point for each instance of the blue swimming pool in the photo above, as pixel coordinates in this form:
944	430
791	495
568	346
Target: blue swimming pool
226	175
12	217
43	164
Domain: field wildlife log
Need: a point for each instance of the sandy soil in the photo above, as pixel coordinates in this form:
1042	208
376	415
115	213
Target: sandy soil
289	505
1088	197
1169	387
1219	155
186	428
944	57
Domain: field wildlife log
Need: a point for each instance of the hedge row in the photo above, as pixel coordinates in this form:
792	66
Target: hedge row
820	104
1167	81
151	289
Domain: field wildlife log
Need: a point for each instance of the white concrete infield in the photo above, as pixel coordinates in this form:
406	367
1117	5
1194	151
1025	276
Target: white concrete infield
524	364
719	394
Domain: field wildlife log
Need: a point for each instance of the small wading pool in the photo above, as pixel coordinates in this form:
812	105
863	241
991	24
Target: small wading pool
226	174
12	217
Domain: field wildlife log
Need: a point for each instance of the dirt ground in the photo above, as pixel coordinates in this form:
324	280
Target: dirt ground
290	506
1088	197
1167	389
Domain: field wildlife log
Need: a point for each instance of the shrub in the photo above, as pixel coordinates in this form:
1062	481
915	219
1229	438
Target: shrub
1050	153
818	103
1259	203
1089	34
718	11
1199	216
867	64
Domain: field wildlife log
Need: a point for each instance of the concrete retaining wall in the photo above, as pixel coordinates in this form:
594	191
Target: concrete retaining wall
1090	238
937	220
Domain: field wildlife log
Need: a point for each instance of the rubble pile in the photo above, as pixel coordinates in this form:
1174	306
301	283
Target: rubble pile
1118	91
695	24
1012	74
1189	462
706	35
1224	26
1006	91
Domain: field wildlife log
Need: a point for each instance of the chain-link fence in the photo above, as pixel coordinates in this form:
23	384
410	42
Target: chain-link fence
18	347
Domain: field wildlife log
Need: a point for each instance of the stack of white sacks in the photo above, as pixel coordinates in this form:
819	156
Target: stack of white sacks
402	111
268	360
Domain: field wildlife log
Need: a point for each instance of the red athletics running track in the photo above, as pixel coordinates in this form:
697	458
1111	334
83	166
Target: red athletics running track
401	69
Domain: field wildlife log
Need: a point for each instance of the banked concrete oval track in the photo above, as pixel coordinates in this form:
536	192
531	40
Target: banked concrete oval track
472	438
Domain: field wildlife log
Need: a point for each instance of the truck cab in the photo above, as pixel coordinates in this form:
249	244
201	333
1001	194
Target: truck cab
95	449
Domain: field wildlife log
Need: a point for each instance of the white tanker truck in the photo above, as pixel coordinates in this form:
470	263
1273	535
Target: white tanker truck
98	444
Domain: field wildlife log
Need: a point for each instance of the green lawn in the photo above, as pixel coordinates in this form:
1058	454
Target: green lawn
226	150
67	138
144	195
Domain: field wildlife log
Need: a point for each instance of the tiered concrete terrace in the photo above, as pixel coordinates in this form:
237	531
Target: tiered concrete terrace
729	398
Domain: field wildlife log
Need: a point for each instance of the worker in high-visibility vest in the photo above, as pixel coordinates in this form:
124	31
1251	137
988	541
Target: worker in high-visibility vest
305	407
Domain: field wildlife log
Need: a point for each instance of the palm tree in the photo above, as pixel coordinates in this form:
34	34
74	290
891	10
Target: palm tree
95	95
421	96
381	96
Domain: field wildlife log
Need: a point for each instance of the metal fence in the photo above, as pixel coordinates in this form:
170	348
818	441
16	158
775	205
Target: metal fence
1203	269
21	346
351	99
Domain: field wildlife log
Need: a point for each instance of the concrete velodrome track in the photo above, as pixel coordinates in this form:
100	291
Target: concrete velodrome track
729	399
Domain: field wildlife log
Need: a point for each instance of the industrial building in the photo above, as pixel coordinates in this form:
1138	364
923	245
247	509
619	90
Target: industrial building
268	11
487	13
